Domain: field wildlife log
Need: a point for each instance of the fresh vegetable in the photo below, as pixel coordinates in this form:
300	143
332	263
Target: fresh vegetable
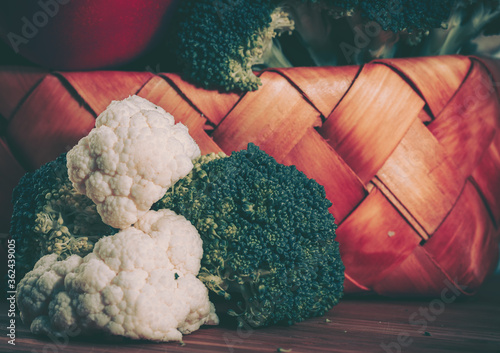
50	217
469	21
139	283
125	164
268	236
220	42
339	32
396	15
131	157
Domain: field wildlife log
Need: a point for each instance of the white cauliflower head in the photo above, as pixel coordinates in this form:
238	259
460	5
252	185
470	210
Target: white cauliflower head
130	159
139	283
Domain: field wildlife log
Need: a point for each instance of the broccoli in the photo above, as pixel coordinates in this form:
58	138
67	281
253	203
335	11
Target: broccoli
469	20
49	216
268	236
220	41
407	15
357	31
394	15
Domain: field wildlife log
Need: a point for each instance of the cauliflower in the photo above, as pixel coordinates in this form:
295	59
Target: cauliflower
130	159
139	283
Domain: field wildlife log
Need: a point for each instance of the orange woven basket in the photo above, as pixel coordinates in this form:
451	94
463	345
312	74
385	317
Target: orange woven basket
408	151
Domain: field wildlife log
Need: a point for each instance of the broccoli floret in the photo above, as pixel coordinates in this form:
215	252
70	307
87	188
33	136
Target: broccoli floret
414	17
220	41
268	236
418	17
407	15
49	216
395	15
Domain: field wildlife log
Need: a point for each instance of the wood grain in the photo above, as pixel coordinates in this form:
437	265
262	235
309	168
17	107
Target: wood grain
288	120
16	83
480	243
420	173
486	177
356	237
52	123
357	324
316	86
467	126
357	129
158	91
97	91
342	185
212	104
437	80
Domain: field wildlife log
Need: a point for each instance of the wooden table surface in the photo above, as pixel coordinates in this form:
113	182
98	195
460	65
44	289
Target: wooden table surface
366	324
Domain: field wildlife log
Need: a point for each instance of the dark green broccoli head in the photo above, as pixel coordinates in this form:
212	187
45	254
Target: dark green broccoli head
268	237
219	41
394	15
49	216
408	15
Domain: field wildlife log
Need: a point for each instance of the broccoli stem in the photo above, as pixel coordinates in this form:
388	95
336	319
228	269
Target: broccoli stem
466	24
273	57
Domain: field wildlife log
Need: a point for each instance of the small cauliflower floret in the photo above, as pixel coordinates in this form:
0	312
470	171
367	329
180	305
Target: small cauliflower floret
139	283
41	284
130	159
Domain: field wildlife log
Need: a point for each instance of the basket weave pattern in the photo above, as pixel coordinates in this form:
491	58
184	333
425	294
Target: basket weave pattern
408	151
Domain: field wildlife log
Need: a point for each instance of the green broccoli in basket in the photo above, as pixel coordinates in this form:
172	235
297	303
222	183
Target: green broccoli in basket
268	237
220	41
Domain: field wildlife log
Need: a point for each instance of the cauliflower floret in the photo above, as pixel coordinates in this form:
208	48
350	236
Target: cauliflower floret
42	283
185	252
130	159
139	283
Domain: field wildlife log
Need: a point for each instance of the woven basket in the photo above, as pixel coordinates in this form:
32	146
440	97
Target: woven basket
408	151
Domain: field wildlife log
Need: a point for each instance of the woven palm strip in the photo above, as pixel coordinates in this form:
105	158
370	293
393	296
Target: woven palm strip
408	151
